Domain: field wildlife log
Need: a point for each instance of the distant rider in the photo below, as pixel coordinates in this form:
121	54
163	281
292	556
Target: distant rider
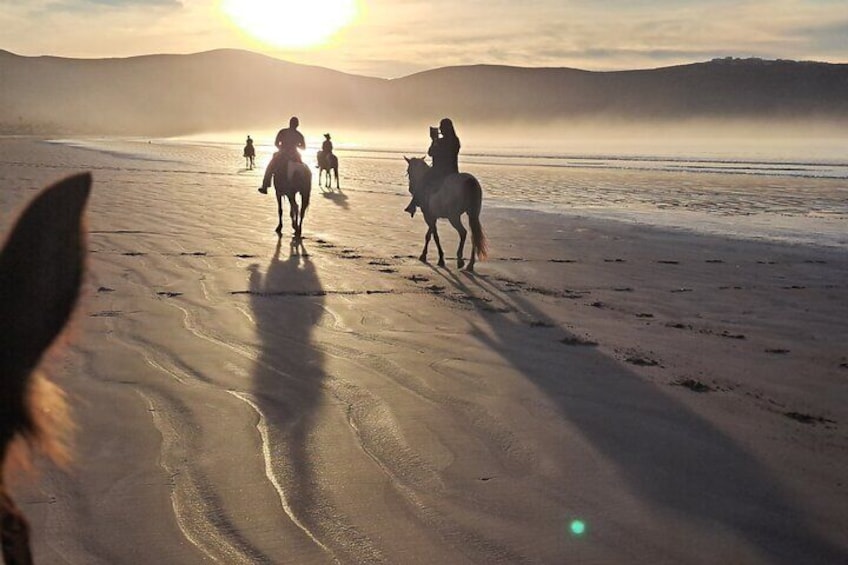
327	146
249	151
444	150
288	141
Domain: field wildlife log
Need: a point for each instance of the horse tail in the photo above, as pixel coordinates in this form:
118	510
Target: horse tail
479	242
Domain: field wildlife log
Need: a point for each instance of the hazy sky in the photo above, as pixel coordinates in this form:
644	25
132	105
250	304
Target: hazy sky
390	38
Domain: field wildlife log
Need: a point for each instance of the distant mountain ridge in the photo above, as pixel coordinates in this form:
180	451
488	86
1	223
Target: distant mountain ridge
230	89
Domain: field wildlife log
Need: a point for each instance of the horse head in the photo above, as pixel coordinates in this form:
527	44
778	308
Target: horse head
41	269
416	168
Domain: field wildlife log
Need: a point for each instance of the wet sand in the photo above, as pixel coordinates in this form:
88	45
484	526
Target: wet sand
244	399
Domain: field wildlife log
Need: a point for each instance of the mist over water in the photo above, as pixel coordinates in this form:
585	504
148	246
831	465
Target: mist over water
785	182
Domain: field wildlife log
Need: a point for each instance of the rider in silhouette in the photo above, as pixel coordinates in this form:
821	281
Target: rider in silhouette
444	150
327	146
288	141
249	151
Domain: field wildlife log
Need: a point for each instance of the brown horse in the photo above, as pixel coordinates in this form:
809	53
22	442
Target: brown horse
296	179
328	163
41	268
458	194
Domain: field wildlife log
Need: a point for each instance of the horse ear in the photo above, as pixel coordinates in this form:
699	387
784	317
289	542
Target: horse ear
406	159
41	270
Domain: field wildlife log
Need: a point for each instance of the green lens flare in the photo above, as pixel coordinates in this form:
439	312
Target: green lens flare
578	527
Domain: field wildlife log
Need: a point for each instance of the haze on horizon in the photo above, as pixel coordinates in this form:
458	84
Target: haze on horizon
386	38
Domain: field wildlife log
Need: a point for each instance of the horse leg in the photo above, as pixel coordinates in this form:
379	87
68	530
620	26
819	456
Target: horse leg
336	174
304	204
294	210
423	256
441	262
457	224
279	229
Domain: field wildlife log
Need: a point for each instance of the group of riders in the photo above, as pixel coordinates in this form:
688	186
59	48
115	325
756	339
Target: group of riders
444	150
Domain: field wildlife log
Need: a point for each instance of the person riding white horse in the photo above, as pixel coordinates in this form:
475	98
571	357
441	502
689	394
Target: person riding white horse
444	149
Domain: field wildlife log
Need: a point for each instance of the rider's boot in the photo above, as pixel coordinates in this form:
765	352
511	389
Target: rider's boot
411	208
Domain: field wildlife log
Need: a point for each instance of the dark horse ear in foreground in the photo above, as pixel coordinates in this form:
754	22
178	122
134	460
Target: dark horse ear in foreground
41	268
289	185
459	193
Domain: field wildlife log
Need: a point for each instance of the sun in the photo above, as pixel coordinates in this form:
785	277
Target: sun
283	23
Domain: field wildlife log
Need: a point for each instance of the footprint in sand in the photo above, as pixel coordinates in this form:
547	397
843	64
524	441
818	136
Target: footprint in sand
169	293
777	351
107	314
642	360
244	256
418	278
729	335
713	261
617	260
388	270
578	341
693	385
133	253
193	254
808	418
669	262
105	289
562	260
541	324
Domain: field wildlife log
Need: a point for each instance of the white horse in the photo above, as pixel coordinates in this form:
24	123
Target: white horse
458	194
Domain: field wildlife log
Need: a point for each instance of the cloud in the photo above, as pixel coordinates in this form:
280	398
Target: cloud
397	37
85	5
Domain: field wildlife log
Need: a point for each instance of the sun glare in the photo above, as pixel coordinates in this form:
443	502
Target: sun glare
282	23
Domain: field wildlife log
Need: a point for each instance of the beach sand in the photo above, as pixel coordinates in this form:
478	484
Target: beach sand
597	392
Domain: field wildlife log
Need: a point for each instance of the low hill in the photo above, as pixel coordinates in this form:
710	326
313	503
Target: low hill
228	89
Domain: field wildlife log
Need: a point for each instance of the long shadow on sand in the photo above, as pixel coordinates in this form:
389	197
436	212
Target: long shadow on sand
287	301
669	456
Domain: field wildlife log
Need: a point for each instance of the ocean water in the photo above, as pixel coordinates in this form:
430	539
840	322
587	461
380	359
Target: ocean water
791	193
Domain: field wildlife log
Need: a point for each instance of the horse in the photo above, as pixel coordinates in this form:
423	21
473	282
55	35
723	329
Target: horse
457	194
328	164
249	156
41	270
289	185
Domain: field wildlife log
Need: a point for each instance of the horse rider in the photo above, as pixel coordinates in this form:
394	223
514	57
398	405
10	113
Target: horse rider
249	151
444	149
288	141
327	146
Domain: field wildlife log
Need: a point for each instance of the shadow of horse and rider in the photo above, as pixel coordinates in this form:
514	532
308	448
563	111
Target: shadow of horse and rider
735	492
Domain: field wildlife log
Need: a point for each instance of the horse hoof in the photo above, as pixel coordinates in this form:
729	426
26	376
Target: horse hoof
460	264
441	263
423	258
279	231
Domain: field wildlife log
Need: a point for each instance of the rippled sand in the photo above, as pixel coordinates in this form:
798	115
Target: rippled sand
244	399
